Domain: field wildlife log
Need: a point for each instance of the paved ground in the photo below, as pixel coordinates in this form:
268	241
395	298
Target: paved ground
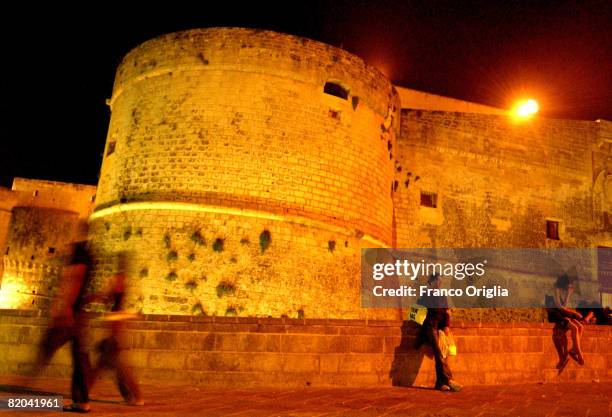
593	399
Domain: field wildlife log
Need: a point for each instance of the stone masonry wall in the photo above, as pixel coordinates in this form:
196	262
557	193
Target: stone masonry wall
497	181
35	251
219	263
6	204
235	124
237	117
78	198
37	222
241	351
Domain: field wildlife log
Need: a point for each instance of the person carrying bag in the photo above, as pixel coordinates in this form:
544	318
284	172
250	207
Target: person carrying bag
435	331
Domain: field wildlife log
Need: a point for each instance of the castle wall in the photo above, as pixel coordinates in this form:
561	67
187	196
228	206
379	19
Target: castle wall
37	221
236	122
239	187
231	262
35	251
497	181
7	201
237	117
78	198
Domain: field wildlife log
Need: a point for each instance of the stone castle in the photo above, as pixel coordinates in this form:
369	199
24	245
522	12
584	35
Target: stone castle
244	170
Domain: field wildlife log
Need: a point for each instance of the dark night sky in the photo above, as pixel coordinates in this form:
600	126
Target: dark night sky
58	62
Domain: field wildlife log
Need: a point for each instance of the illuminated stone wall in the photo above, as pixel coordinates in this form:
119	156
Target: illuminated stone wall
239	187
227	134
197	261
36	246
256	352
78	198
37	220
497	181
7	202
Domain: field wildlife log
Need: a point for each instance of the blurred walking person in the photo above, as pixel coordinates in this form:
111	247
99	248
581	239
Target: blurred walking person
68	322
111	357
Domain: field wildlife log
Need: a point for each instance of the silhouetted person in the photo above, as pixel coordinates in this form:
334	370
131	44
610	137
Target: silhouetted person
438	318
110	348
565	319
68	324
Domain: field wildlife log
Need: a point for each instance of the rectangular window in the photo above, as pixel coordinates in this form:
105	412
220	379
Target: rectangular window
552	229
429	199
335	89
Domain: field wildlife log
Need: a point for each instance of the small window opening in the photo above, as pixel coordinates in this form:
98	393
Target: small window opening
35	193
7	250
337	90
429	199
552	229
51	250
93	198
111	148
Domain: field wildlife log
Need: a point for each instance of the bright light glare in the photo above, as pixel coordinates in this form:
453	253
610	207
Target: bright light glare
526	108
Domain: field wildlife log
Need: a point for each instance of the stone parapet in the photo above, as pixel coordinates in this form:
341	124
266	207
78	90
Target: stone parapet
227	351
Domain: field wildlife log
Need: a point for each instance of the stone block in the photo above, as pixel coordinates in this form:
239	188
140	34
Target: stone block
169	359
261	362
330	362
300	343
241	342
366	344
306	363
331	330
137	358
360	363
161	340
273	343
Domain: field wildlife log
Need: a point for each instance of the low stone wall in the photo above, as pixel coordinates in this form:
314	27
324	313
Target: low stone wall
224	351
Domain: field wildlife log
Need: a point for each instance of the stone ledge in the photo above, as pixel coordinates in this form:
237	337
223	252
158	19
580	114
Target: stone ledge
322	351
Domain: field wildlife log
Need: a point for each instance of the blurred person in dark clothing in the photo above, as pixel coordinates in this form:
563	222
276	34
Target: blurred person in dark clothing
109	348
437	319
68	322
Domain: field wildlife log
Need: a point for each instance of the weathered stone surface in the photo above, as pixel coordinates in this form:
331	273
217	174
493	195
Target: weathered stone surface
488	353
240	188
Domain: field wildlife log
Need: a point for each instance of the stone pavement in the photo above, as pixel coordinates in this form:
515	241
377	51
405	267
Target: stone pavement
551	400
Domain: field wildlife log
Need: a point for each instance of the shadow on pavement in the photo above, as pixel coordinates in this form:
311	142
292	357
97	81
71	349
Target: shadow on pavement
407	360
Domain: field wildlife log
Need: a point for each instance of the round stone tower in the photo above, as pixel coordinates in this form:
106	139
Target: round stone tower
243	171
36	249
